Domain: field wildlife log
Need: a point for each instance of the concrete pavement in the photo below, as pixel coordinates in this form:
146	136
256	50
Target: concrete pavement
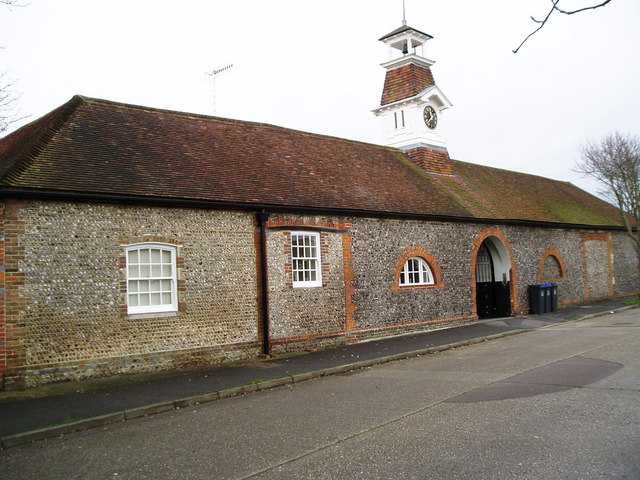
27	419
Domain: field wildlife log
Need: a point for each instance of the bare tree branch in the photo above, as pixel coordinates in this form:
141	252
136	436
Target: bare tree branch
556	8
8	97
615	163
571	12
12	3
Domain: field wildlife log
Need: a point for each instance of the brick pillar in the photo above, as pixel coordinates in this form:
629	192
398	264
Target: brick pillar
432	160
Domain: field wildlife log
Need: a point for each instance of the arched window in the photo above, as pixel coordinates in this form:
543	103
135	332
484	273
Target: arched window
416	271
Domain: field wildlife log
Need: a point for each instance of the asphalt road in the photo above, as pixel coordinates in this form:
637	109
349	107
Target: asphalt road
555	403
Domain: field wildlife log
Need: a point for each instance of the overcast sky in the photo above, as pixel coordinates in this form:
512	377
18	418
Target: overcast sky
315	66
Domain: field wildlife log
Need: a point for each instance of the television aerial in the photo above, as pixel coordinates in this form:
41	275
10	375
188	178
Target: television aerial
213	74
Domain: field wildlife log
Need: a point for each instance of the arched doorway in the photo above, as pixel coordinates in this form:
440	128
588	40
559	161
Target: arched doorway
493	279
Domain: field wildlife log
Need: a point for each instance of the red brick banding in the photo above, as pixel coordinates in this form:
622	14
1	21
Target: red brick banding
601	237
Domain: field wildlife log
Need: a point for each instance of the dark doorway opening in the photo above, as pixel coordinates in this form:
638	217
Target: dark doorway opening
493	292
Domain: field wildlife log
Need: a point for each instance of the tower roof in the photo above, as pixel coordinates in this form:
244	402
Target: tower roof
405	82
407	29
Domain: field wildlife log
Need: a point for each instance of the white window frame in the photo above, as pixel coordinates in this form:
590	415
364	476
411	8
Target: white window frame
306	260
416	271
145	274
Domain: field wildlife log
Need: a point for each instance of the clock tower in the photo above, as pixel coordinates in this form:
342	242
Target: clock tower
412	104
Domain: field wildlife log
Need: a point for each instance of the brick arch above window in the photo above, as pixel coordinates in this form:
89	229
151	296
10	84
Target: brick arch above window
419	252
551	266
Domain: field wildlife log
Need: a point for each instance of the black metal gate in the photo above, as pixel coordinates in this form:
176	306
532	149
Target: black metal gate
493	299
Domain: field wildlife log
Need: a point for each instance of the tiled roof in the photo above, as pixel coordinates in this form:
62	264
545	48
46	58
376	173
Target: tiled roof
91	146
502	194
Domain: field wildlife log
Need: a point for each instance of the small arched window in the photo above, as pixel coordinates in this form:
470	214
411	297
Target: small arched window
416	271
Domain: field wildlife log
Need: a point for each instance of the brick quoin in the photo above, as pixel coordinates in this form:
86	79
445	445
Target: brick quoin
14	355
3	333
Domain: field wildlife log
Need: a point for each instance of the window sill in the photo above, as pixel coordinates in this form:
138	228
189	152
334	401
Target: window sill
145	316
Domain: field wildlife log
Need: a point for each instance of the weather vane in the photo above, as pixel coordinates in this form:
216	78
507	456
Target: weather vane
404	16
213	74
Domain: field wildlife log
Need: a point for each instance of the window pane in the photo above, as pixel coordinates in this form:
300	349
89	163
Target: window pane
156	264
304	258
416	271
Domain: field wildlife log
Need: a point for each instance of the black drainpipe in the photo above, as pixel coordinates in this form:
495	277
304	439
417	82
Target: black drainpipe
264	292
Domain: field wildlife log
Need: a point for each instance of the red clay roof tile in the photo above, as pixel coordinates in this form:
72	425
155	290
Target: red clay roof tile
94	146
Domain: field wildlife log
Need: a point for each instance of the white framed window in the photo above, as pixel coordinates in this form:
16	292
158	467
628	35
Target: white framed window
151	278
305	259
416	271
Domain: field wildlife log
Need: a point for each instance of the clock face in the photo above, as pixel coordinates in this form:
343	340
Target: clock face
430	117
